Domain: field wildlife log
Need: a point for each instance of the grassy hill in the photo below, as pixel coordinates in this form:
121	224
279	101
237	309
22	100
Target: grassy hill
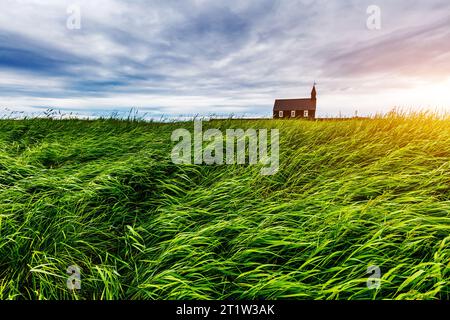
104	195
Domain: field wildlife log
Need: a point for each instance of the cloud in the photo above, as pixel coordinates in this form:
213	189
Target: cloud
206	56
421	51
21	53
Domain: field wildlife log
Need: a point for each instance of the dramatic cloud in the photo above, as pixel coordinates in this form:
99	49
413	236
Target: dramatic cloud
196	56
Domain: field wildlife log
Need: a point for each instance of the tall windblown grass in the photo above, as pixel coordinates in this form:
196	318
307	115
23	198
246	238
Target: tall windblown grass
105	196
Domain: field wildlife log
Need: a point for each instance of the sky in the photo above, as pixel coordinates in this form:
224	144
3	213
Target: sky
198	57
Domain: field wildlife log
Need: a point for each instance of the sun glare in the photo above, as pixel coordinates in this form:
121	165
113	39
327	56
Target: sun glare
433	96
437	94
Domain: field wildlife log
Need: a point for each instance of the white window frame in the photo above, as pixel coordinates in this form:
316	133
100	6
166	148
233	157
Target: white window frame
305	114
293	114
280	114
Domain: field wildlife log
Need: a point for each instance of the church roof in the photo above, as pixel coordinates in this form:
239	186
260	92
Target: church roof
294	104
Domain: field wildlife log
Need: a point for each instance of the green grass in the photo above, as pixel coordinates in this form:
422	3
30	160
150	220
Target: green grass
105	196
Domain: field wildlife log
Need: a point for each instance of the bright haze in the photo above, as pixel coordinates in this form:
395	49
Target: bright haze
171	58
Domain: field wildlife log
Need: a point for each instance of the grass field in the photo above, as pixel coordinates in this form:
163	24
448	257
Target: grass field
105	196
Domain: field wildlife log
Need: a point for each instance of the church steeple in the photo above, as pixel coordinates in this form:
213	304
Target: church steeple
314	92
